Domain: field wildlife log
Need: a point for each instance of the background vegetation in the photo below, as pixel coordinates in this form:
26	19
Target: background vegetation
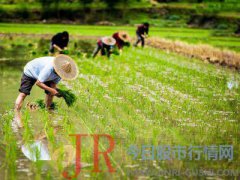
206	14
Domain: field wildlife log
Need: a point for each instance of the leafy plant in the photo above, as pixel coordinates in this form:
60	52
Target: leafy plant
68	96
65	51
115	51
41	104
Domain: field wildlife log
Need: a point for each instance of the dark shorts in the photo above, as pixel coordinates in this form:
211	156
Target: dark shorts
139	36
27	84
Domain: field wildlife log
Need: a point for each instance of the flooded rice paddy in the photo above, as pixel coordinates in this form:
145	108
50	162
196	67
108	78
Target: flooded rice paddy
146	99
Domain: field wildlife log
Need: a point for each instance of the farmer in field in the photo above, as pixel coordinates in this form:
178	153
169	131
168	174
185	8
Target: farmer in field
59	42
122	39
105	45
45	72
142	33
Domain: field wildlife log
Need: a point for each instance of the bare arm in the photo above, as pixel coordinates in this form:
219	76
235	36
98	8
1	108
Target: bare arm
52	89
57	47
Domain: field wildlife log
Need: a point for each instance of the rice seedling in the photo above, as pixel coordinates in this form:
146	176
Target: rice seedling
69	97
41	104
143	97
10	146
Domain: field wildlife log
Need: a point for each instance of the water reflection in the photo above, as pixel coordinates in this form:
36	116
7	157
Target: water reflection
47	157
41	149
37	150
13	57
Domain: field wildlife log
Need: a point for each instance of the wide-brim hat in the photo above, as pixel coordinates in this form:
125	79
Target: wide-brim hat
65	67
124	36
108	40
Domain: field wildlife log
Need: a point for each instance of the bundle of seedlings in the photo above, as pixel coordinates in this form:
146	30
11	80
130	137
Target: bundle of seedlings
115	51
127	44
65	51
41	104
68	96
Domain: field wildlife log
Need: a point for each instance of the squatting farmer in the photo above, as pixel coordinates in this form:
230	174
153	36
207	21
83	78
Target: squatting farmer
105	45
59	42
142	33
46	73
122	39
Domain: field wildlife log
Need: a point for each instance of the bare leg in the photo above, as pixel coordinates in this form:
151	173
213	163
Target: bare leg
120	51
49	96
96	50
48	101
17	108
143	41
138	40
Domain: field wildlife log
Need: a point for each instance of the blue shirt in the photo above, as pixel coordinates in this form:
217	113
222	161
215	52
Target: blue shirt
42	70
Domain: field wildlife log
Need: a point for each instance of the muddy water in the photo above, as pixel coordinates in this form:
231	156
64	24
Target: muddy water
10	77
15	157
15	52
12	61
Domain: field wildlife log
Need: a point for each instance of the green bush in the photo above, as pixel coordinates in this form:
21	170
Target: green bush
23	12
174	17
222	26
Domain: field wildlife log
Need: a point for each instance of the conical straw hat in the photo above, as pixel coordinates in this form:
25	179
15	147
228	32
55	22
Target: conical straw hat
124	36
65	67
108	40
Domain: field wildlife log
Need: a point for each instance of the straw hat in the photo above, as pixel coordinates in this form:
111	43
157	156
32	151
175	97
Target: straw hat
124	36
65	67
109	40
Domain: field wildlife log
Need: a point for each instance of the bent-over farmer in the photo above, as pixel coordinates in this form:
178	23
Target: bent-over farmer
59	42
46	73
142	33
122	39
105	45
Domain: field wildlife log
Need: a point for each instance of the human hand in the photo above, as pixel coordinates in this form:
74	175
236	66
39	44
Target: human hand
54	92
58	94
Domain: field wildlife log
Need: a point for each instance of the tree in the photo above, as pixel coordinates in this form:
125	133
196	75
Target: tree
85	3
46	6
111	3
47	3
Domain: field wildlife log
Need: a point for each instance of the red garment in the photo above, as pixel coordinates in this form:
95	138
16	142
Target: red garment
99	42
119	42
141	30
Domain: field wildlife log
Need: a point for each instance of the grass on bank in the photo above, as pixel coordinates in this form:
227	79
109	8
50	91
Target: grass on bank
203	52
